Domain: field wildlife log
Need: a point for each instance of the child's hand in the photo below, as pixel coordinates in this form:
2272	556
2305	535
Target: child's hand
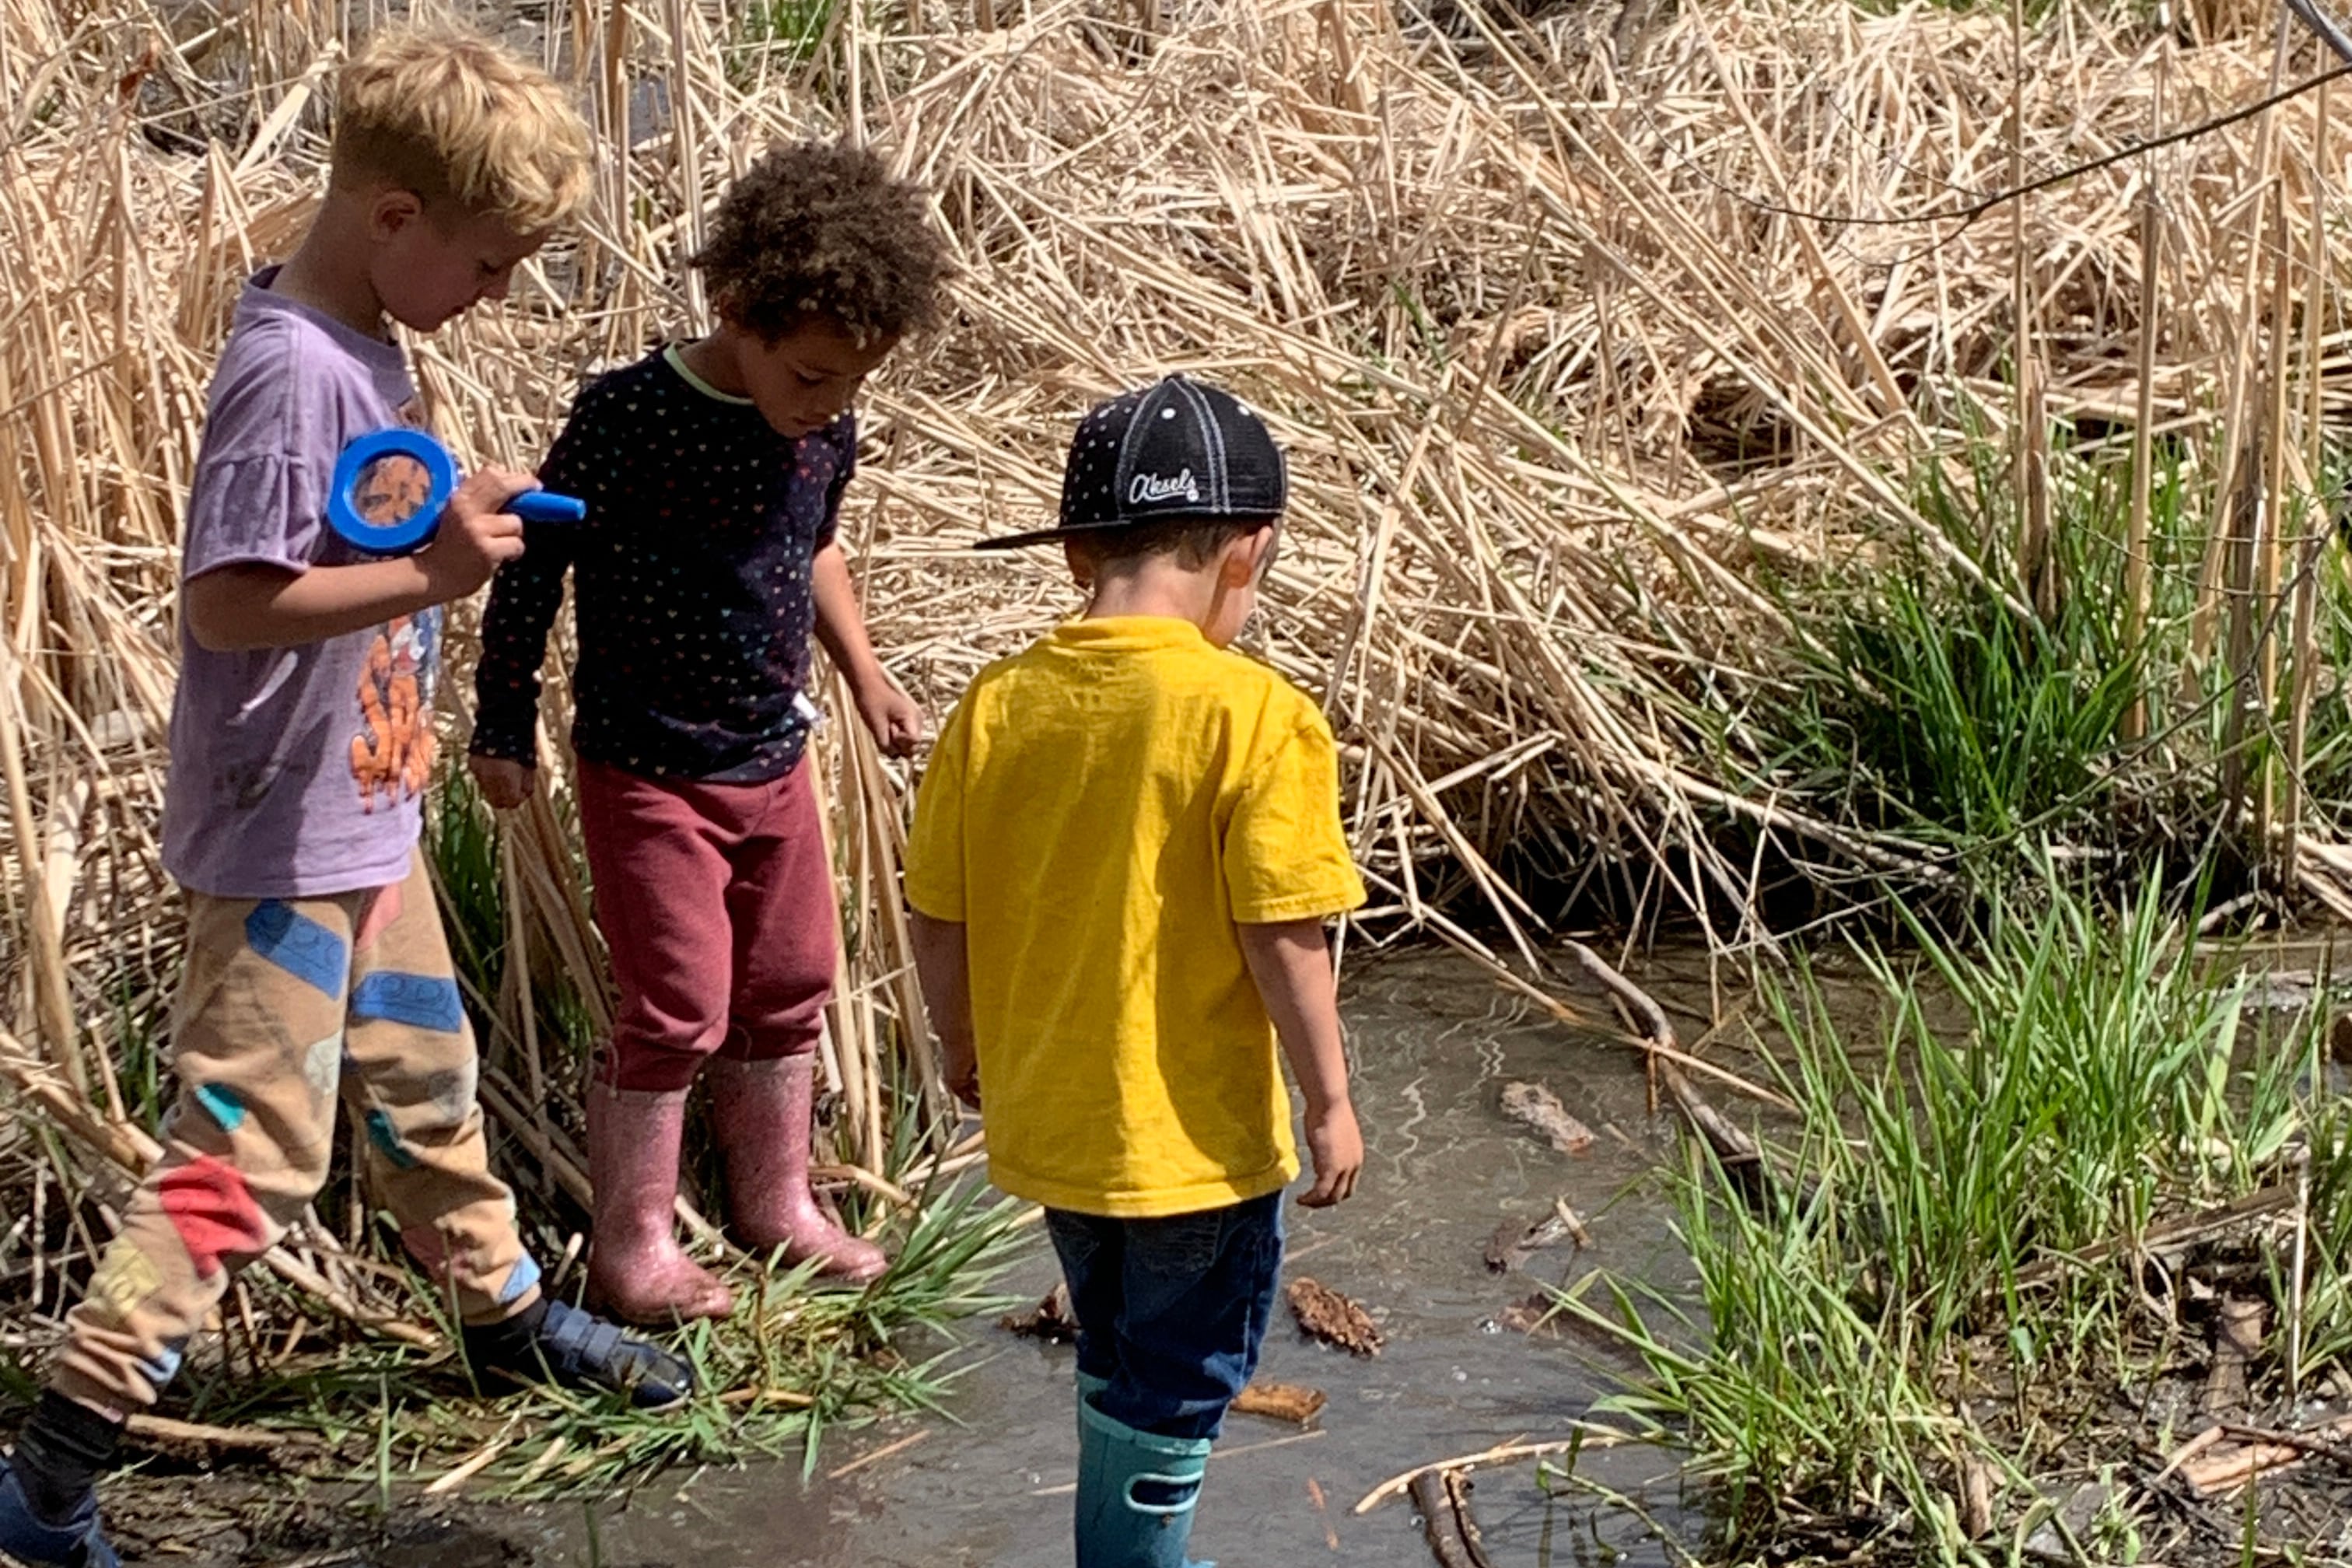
895	718
1336	1147
505	784
475	536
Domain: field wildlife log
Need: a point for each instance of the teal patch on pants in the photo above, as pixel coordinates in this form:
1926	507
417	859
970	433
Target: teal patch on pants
221	1104
387	1141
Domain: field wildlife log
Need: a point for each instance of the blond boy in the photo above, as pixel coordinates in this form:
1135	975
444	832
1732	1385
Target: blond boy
317	969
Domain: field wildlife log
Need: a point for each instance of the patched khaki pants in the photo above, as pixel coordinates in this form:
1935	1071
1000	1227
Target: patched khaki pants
288	1005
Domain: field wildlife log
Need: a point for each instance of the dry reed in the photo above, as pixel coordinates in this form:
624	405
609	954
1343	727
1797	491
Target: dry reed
1538	307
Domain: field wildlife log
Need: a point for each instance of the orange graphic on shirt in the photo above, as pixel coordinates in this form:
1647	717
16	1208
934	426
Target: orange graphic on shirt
391	758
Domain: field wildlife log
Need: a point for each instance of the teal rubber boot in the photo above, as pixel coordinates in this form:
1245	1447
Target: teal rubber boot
1088	1386
1137	1493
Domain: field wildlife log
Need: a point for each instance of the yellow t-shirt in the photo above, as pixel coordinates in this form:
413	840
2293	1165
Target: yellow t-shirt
1100	812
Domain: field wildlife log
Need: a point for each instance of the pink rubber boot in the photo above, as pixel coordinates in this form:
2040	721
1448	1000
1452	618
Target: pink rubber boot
637	1269
762	1113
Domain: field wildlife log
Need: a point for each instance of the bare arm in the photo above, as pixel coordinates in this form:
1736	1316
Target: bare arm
945	967
255	607
1292	967
252	606
890	713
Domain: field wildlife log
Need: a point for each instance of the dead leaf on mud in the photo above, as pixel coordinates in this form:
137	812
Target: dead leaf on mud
1540	1109
1513	1244
1532	1315
1327	1315
1050	1319
1280	1401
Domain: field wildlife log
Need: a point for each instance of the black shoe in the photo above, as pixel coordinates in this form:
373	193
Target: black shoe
579	1350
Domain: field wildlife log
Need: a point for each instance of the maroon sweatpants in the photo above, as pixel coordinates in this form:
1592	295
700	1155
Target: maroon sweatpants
717	903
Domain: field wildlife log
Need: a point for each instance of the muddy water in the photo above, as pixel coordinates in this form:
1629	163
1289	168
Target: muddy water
1435	1044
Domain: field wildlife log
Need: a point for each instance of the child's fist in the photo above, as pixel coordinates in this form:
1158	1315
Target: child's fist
1336	1146
475	535
504	783
895	718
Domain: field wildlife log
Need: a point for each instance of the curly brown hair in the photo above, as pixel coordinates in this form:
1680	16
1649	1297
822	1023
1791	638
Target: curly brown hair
821	229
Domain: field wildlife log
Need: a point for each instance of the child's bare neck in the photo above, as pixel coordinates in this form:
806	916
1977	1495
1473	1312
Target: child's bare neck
714	366
1159	589
329	270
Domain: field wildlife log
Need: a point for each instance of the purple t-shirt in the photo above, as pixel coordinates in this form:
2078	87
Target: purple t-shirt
296	772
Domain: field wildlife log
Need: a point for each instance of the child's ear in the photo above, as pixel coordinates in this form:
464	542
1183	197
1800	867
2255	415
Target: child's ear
1237	567
725	311
392	209
1082	565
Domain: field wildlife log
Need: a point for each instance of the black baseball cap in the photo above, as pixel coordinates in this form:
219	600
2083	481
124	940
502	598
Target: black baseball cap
1178	450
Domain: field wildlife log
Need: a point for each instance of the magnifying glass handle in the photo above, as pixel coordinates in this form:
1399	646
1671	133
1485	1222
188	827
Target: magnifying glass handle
546	506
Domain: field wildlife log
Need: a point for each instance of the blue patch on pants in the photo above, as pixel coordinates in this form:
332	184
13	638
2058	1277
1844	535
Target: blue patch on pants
164	1368
420	1001
299	945
519	1278
387	1141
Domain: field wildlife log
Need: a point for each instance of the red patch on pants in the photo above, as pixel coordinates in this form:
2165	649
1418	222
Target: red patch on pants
425	1245
213	1212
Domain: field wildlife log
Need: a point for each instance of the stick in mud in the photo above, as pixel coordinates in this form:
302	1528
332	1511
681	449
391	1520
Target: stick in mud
1733	1150
1443	1499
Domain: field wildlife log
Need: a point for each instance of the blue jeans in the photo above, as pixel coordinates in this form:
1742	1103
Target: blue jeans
1172	1312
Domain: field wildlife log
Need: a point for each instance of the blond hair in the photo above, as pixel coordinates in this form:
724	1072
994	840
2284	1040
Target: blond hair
445	113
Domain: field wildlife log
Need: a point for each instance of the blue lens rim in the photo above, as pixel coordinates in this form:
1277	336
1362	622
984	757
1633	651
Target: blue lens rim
378	539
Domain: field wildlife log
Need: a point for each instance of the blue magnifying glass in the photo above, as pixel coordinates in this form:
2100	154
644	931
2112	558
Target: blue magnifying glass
389	489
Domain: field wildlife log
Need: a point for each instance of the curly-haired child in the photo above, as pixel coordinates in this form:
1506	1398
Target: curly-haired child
317	968
713	472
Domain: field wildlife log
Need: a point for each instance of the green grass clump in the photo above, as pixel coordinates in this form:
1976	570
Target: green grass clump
794	1362
1927	701
1962	1195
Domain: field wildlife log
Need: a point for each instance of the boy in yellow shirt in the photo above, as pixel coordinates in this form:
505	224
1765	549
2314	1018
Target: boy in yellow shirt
1125	850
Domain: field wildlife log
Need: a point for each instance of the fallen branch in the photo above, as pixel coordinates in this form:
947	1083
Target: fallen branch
2171	1236
1736	1151
1586	1437
888	1450
161	1431
1443	1499
466	1469
2228	1456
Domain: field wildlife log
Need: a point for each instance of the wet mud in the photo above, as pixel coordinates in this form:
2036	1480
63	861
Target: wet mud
990	1482
1436	1047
